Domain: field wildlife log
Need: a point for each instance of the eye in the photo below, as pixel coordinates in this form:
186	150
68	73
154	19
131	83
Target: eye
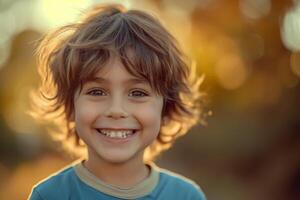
138	93
96	92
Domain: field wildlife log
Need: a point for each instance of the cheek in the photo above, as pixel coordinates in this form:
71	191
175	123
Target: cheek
85	113
150	115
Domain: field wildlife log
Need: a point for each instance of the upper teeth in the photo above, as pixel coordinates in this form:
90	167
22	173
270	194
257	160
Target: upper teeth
116	134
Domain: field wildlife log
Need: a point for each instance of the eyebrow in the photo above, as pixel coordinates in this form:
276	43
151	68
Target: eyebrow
129	81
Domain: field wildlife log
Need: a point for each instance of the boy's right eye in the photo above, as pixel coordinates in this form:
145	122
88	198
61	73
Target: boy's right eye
96	92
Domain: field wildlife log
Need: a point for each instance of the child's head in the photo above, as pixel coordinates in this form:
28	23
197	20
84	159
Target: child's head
111	41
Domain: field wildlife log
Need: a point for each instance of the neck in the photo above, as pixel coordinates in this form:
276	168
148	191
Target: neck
123	174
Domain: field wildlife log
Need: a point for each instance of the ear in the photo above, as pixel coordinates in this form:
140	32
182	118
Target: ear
164	120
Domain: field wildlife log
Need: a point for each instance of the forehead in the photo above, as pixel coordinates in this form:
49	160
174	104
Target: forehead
115	71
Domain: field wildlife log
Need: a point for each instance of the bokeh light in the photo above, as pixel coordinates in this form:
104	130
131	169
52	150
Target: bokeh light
52	13
231	72
291	29
255	9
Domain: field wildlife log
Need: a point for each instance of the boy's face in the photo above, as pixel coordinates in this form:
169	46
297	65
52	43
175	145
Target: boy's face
117	115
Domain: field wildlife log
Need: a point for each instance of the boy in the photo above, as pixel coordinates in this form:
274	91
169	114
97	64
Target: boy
118	86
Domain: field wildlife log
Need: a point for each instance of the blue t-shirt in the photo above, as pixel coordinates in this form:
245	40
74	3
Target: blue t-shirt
76	182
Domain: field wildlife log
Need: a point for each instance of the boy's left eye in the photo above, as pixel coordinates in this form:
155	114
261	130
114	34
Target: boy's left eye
137	93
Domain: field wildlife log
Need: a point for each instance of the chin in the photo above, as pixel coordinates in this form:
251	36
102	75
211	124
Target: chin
117	158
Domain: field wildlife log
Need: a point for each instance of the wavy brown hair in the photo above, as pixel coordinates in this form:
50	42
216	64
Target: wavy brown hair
72	54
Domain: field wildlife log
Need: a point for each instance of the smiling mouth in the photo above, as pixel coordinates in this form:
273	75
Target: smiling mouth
116	133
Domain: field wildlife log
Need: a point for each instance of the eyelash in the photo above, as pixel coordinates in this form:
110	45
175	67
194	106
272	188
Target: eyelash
95	92
141	93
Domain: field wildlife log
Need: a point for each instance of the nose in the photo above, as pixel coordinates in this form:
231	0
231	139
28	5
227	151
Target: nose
116	109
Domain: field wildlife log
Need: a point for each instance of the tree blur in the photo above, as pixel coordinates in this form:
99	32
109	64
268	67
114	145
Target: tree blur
249	51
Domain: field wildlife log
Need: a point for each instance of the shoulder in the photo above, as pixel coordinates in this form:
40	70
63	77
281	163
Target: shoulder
47	188
182	186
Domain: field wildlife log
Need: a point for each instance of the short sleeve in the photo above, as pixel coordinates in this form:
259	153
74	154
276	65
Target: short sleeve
35	195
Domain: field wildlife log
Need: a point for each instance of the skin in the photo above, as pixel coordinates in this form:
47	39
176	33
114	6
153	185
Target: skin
117	100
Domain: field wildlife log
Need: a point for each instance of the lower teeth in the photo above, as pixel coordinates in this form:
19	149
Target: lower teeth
125	136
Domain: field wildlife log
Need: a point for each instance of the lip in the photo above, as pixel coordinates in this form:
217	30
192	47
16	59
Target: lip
117	140
118	129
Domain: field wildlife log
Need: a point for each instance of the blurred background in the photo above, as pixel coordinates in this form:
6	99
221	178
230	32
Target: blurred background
249	51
